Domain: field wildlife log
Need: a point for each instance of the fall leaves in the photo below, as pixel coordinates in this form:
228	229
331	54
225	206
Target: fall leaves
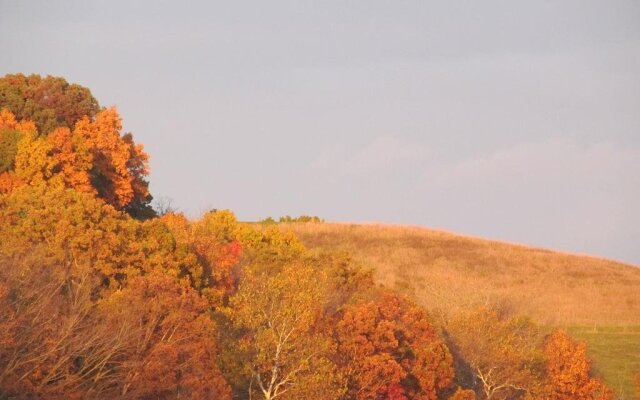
388	348
100	305
93	158
100	301
568	369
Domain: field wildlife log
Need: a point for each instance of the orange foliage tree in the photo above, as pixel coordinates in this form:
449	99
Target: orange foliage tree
73	162
98	305
71	228
119	167
388	348
153	339
568	370
463	394
94	158
53	344
215	242
171	349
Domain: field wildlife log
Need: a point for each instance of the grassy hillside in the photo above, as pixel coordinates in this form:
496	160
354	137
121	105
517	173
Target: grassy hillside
596	299
446	271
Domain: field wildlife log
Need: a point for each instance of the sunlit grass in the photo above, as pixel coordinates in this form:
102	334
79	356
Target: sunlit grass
446	271
615	351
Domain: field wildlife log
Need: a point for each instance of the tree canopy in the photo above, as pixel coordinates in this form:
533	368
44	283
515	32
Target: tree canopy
100	298
49	102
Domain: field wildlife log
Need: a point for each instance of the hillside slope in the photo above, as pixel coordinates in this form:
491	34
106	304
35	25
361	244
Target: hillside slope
444	271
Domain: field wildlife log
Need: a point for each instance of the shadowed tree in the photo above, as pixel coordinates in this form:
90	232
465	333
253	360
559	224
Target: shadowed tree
119	167
500	353
171	351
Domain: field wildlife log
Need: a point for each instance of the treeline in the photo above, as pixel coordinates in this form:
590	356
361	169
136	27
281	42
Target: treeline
287	219
101	299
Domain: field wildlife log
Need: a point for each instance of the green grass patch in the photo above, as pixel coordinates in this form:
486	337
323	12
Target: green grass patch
615	351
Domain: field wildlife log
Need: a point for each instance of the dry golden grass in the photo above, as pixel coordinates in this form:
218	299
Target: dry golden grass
446	272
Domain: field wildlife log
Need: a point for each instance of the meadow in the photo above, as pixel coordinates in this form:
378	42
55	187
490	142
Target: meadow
615	352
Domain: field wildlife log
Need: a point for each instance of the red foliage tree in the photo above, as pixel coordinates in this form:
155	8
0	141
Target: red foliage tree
388	348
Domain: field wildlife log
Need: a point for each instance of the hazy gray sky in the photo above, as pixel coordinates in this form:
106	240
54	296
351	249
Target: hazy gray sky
509	120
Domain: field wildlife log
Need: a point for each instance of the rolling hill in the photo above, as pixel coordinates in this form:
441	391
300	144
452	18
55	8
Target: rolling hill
595	299
445	271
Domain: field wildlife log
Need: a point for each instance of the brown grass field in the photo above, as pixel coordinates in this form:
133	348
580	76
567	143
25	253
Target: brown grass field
444	271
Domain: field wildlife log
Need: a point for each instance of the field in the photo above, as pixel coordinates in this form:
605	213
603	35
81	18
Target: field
616	354
599	300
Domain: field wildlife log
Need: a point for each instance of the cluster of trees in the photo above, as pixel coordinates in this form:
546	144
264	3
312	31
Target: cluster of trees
100	300
55	132
287	219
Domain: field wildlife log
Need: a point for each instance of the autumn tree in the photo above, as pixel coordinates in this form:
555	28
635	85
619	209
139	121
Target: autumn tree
223	246
72	160
286	353
71	228
216	242
388	349
8	147
153	339
119	167
33	165
568	370
498	353
98	305
94	157
11	132
171	348
53	344
50	102
463	394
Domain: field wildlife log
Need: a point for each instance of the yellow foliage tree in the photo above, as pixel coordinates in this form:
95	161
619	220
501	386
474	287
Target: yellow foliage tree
286	354
33	165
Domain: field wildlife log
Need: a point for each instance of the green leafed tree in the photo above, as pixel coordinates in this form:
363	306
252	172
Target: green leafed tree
50	102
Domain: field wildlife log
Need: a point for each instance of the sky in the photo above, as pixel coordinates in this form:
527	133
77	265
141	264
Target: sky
516	121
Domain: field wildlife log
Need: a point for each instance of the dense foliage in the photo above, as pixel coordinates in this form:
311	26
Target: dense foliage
98	304
50	102
88	153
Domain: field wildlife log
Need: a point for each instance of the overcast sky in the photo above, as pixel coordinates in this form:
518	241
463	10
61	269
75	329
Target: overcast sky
509	120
